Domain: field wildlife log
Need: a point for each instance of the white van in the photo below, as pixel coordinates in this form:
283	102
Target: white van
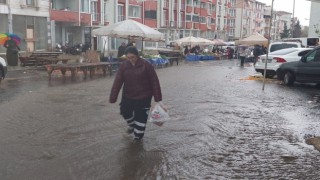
275	46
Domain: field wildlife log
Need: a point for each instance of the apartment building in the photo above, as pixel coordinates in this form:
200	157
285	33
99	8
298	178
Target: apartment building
28	19
279	19
249	18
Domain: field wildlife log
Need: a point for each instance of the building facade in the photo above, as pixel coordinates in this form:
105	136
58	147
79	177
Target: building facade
29	19
71	22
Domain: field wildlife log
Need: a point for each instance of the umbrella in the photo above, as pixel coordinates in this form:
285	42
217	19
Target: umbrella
254	39
219	42
5	36
130	29
193	41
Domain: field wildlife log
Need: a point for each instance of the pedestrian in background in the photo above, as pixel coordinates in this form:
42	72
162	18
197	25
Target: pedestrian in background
121	49
256	53
242	55
140	83
12	52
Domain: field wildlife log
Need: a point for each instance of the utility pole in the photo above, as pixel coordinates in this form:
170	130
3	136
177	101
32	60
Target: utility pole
292	28
265	64
241	26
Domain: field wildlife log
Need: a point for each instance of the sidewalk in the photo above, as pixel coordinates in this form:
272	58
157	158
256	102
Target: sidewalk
20	68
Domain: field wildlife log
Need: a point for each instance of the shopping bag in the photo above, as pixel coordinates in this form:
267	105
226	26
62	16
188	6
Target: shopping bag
158	114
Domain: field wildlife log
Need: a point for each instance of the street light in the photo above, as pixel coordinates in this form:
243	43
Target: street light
265	62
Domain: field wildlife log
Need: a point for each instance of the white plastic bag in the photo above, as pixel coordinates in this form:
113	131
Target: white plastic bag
158	114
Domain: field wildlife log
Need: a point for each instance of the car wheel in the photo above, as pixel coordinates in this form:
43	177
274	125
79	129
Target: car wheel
288	78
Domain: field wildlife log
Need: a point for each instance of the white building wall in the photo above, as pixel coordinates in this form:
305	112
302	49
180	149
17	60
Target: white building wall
314	23
40	9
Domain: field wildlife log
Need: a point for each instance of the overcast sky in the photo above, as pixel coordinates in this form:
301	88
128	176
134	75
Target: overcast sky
302	8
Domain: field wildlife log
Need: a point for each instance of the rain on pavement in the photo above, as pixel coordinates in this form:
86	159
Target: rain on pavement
223	126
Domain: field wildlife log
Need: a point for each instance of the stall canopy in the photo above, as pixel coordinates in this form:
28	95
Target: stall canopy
219	42
252	40
130	29
193	41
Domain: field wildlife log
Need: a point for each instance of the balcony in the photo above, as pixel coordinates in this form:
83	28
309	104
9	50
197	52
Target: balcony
70	16
189	9
196	10
189	25
203	27
196	25
151	23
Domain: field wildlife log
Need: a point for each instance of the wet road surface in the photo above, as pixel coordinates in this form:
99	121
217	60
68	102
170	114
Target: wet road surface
223	127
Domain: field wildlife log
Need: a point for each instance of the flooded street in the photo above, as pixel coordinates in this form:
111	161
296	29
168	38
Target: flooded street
223	126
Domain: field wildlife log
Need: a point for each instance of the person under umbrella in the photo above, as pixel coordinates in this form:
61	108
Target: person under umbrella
12	51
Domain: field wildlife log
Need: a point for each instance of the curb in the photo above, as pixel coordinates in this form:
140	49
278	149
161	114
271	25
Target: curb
19	68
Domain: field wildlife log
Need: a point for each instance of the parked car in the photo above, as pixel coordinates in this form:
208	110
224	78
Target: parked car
307	70
276	58
3	68
276	46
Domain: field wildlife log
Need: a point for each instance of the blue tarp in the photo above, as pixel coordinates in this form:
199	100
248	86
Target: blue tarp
199	57
157	61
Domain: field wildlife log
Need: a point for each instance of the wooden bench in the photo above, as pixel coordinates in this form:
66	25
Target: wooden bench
40	58
84	67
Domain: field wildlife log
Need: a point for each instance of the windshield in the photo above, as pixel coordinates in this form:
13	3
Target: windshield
276	47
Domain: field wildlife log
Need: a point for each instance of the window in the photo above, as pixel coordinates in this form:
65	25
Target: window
213	21
231	32
231	22
195	18
94	7
196	3
232	12
188	17
152	14
208	21
85	6
203	5
203	19
189	2
135	11
3	1
120	12
314	56
30	2
209	8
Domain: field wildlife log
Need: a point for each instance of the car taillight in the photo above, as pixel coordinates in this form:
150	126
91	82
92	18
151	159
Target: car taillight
280	60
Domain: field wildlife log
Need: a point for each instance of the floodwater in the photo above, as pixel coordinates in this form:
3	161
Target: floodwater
223	126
